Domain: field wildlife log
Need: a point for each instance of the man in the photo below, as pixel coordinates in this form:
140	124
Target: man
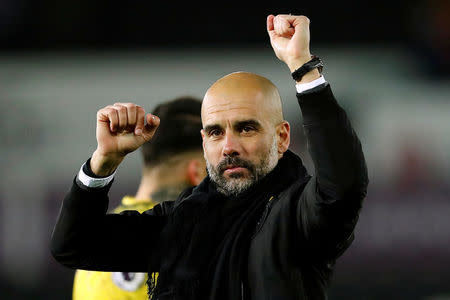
173	161
258	226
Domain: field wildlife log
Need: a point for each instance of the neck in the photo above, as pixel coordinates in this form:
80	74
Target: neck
168	193
153	187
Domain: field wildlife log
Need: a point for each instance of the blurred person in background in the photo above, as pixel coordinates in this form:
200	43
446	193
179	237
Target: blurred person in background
258	226
173	161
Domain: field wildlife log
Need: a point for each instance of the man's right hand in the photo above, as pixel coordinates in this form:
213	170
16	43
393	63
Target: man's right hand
121	129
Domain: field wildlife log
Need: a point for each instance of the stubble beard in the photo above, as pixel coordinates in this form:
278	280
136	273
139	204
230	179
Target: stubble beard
238	183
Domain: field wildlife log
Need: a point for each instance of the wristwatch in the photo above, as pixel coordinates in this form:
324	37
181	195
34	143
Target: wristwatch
315	62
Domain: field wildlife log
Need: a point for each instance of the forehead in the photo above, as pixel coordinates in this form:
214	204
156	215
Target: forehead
223	108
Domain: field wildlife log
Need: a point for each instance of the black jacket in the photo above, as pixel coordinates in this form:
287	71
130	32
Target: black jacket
301	232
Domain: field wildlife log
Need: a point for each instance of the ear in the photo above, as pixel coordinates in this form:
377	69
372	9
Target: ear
195	172
284	137
202	132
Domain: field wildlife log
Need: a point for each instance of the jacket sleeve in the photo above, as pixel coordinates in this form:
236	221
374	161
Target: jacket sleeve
330	203
87	237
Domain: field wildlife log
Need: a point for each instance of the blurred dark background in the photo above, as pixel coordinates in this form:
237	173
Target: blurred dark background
26	25
388	63
51	23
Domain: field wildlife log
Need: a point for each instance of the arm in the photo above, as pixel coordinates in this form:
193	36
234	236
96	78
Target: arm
328	208
85	237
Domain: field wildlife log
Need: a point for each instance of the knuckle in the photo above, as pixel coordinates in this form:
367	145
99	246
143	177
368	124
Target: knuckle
121	109
106	110
103	109
112	115
303	19
140	110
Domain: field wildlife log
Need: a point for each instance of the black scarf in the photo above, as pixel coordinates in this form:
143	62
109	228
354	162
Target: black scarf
205	242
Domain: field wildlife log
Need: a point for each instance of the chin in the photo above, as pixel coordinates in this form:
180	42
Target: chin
238	176
235	187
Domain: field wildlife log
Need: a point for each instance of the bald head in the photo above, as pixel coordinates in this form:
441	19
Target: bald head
247	89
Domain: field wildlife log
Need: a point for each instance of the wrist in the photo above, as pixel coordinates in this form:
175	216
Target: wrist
306	70
104	165
295	63
309	77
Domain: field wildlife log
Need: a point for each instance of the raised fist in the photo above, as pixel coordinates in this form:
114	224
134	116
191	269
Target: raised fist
121	129
289	37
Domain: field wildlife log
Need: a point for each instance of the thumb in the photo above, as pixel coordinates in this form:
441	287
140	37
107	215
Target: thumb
151	126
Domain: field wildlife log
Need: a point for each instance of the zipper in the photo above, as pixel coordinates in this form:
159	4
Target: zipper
258	228
264	216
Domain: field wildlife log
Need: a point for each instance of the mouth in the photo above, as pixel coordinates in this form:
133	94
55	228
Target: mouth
231	169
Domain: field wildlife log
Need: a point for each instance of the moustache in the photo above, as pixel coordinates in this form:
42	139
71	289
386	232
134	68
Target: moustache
235	161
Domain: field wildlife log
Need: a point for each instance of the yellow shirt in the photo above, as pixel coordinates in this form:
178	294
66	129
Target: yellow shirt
90	285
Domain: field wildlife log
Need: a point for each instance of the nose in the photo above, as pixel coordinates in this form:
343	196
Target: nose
231	145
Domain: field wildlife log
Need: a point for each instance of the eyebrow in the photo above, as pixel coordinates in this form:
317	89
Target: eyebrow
253	123
236	125
209	128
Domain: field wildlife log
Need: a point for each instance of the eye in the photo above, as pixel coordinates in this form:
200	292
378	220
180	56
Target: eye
247	129
215	132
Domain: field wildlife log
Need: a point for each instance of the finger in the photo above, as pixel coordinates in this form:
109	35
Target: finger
283	27
123	117
294	19
302	21
151	126
131	115
270	23
270	29
301	35
140	120
109	117
286	27
152	121
276	25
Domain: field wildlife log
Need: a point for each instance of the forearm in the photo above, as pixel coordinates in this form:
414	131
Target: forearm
333	144
330	203
79	216
86	237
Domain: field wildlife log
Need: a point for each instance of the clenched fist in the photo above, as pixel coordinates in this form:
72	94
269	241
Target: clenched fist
121	129
289	37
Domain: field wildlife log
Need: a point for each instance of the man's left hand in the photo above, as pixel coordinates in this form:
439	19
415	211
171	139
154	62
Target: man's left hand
289	37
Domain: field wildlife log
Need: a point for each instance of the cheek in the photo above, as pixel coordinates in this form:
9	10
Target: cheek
257	147
212	152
